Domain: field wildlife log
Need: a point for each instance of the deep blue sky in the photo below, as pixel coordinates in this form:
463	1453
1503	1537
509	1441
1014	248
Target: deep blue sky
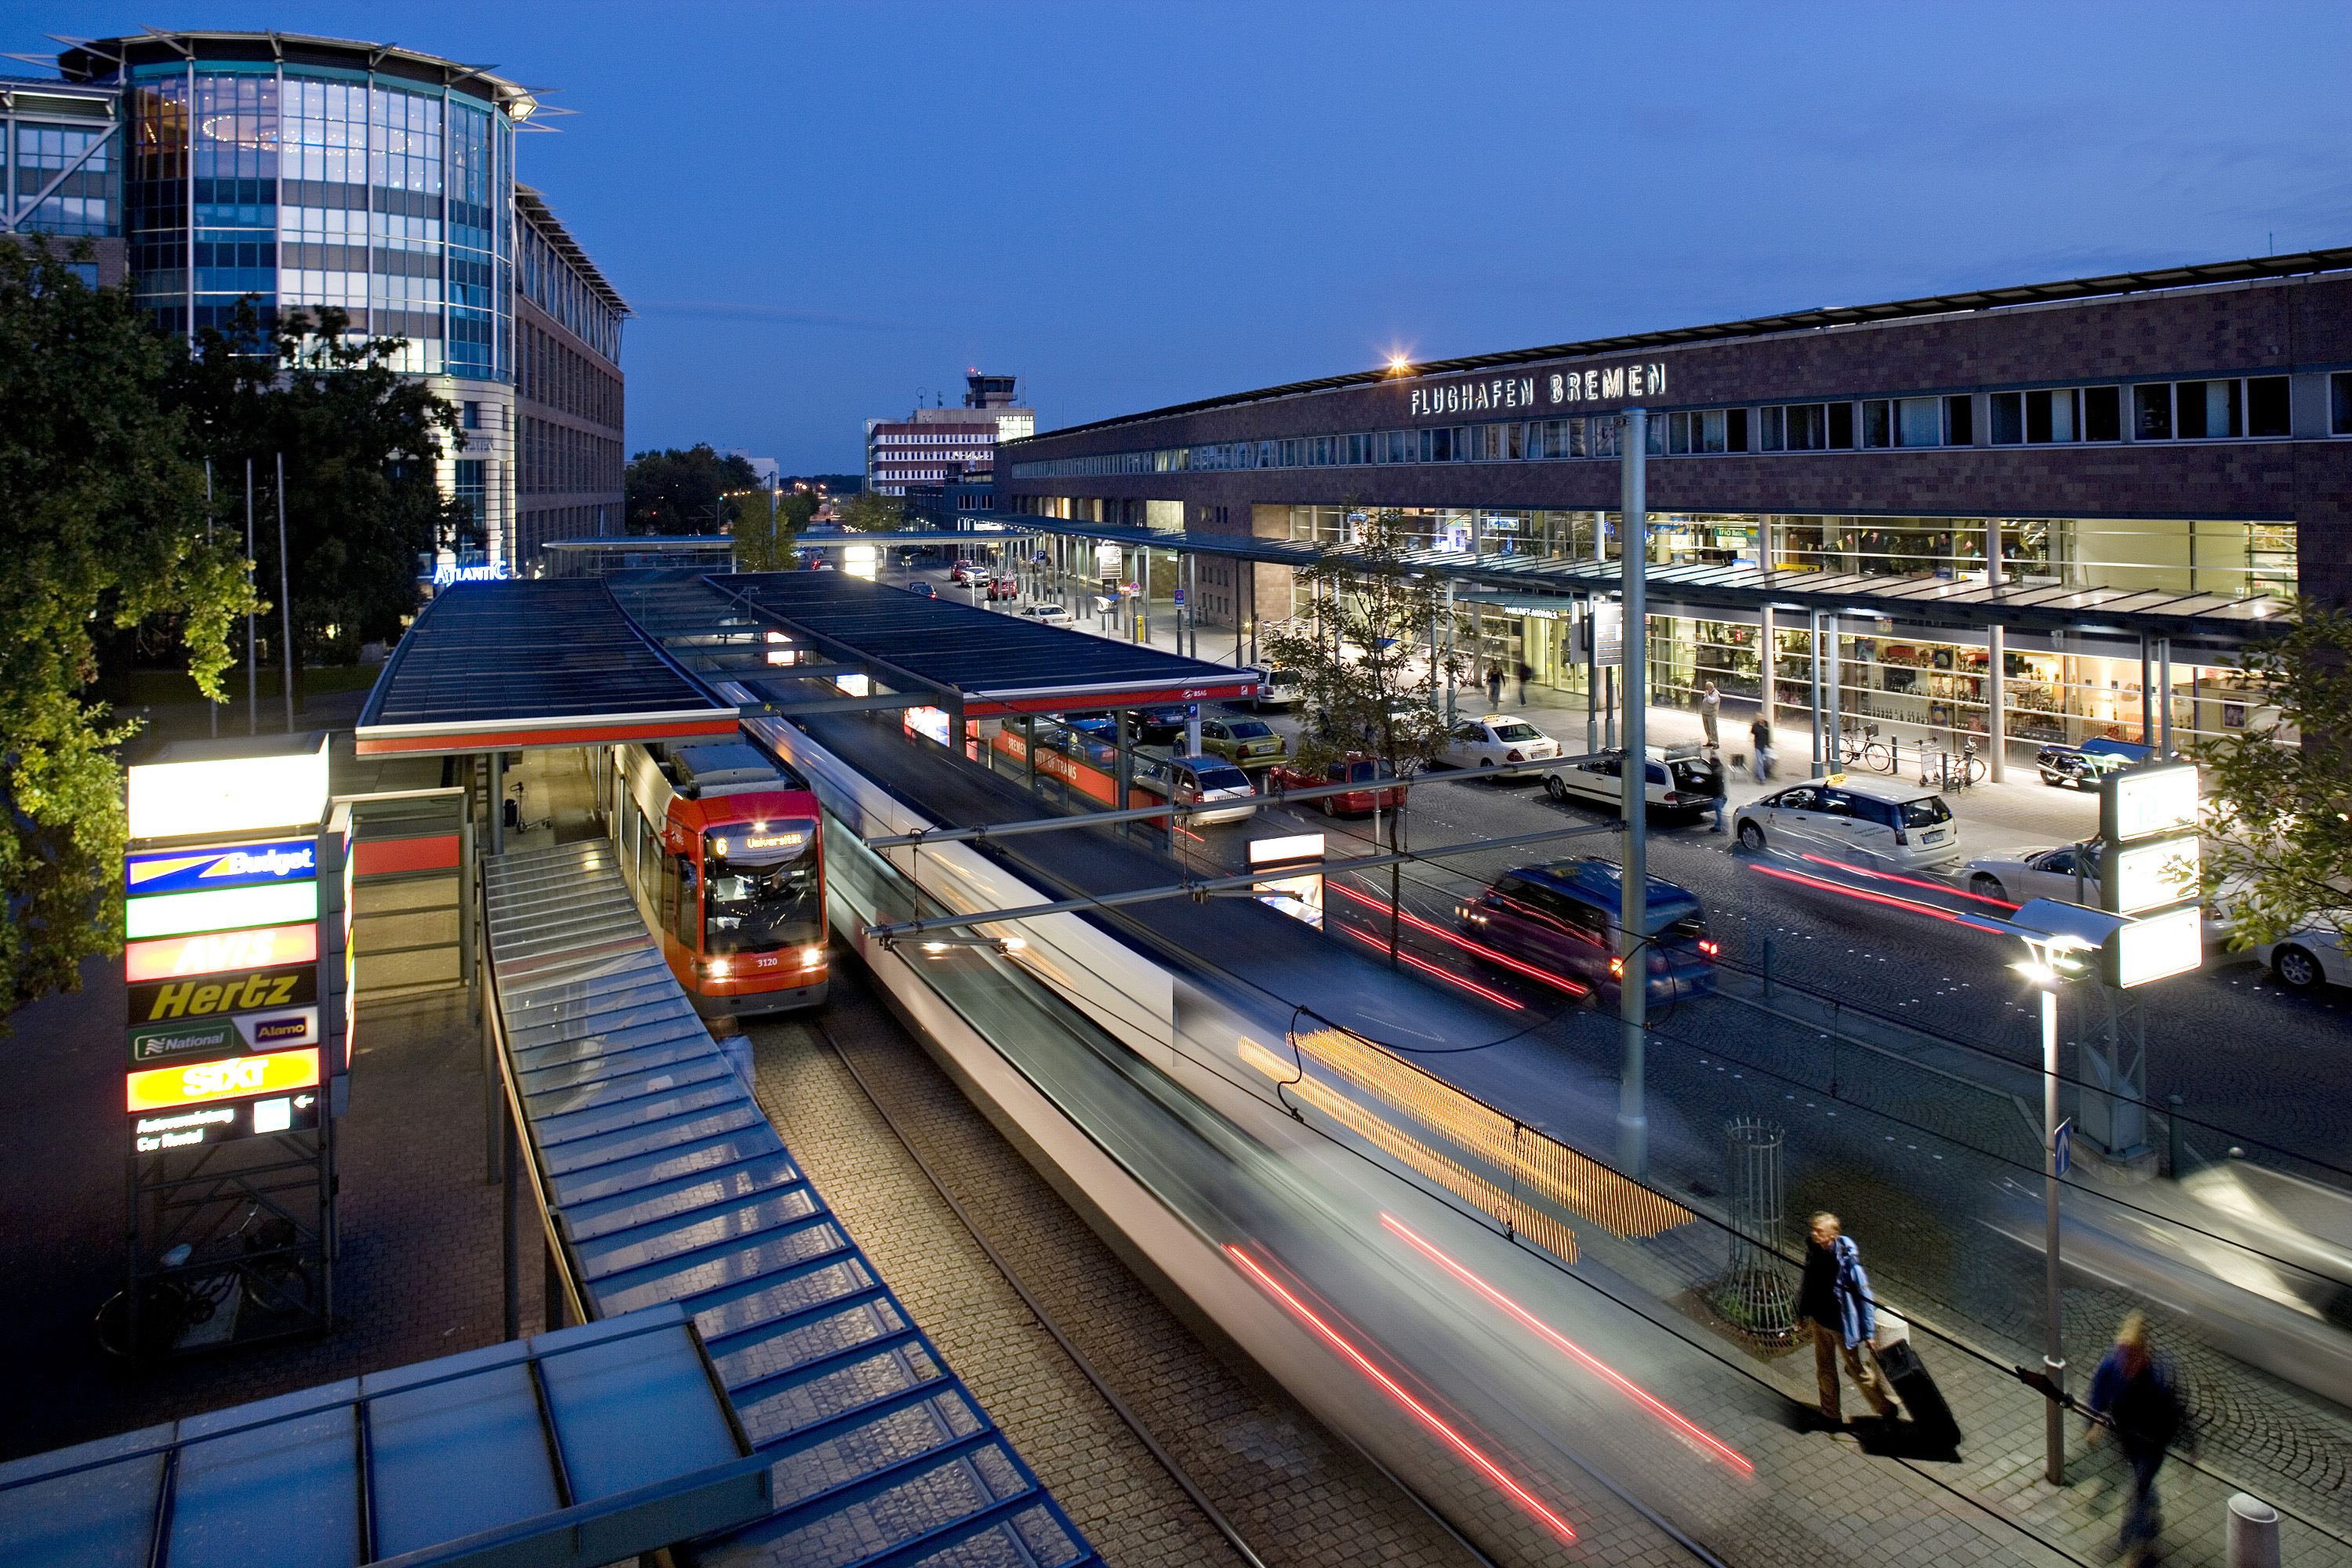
819	211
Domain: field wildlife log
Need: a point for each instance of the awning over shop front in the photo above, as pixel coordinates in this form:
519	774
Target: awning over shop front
506	666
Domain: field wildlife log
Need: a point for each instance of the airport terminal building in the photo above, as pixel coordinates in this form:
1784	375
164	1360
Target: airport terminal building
2184	436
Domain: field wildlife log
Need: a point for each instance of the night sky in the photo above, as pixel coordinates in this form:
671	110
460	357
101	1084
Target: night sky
821	212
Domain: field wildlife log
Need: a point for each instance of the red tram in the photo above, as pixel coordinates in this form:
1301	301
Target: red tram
722	848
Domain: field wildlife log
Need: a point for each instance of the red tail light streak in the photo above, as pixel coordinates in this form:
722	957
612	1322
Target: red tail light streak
1567	1347
1396	1391
1911	882
1913	905
1442	973
1559	981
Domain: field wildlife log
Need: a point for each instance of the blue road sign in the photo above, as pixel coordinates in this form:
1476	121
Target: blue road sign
2064	1142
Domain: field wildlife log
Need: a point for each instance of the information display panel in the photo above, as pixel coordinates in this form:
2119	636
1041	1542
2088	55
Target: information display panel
157	1130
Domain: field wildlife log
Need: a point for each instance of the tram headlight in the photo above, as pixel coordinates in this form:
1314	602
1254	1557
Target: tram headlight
811	957
718	967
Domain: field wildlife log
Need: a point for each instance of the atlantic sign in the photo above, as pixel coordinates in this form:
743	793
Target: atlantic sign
1601	384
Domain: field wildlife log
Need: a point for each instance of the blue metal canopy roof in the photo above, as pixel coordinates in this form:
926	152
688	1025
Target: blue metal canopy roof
585	1446
672	1190
521	663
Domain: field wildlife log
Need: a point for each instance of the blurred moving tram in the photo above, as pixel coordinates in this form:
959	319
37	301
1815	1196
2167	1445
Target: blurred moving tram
720	845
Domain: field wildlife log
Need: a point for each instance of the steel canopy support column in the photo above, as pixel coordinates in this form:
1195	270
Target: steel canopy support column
1451	691
1765	635
497	803
2164	699
1833	734
2054	1359
1813	640
1633	989
1996	719
2146	692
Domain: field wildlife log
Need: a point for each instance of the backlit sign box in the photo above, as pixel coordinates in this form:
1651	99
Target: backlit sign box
216	952
168	914
2160	945
188	792
208	1124
205	996
2137	802
273	1029
234	1078
2151	876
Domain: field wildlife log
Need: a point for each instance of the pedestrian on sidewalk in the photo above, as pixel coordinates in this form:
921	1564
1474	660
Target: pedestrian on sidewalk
1763	732
1710	709
1494	685
1716	787
1526	671
2133	1390
1835	1296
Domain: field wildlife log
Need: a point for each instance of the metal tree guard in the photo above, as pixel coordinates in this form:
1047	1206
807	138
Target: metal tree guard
1755	1294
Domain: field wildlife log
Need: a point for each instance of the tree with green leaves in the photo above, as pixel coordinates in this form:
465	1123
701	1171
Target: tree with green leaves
870	512
361	443
103	504
765	530
688	490
1363	653
2278	819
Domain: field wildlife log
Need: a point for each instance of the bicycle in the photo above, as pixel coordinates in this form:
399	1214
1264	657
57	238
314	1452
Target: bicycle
257	1271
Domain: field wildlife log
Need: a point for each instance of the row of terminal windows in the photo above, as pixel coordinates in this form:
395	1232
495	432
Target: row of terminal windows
2243	407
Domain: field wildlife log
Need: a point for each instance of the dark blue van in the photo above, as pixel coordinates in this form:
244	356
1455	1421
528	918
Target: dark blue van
1563	919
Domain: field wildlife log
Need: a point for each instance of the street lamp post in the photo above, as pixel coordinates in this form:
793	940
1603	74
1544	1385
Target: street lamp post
1633	803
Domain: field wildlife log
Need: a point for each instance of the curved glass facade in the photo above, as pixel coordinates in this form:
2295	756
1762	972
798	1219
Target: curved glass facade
306	185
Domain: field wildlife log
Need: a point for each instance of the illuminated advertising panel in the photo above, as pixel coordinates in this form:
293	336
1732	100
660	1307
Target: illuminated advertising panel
233	1078
2159	946
2151	876
205	996
168	914
228	794
2137	802
216	952
200	871
242	1034
155	1132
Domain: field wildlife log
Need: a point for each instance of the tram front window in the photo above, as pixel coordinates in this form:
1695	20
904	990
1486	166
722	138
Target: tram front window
761	887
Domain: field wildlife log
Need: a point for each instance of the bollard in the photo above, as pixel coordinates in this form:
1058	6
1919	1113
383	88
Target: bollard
2254	1532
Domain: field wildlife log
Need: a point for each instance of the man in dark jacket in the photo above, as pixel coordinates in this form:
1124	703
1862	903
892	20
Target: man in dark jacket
1762	734
1835	1296
1717	789
2133	1389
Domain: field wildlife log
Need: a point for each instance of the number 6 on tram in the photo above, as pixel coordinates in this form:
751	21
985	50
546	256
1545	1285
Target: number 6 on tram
722	848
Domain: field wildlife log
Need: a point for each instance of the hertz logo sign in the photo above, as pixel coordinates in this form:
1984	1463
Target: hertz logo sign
238	993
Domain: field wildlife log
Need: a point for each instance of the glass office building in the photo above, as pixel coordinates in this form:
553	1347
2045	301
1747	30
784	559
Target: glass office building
301	173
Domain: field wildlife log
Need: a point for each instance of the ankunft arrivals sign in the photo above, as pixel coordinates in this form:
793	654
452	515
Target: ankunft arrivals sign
1610	383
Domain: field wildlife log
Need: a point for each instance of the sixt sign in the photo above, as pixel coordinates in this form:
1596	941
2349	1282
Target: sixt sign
198	870
249	991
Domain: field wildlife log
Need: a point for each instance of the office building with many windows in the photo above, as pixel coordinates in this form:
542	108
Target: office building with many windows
2181	437
301	173
935	446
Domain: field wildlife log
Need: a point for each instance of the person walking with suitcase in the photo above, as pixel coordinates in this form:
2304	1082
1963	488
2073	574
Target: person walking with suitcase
1762	734
2133	1390
1835	1296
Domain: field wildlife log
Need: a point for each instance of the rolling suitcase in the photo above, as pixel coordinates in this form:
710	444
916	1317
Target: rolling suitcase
1917	1392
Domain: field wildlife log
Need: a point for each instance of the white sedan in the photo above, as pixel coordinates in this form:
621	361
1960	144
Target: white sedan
1049	614
1499	741
2304	960
2016	874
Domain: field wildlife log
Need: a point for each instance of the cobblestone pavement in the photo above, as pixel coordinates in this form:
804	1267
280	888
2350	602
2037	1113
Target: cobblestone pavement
1295	1492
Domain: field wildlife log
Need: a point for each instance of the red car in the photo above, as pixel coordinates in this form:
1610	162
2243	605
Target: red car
1003	588
1357	769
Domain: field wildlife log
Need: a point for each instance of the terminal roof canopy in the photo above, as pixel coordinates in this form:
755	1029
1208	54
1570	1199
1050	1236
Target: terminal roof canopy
984	660
488	665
